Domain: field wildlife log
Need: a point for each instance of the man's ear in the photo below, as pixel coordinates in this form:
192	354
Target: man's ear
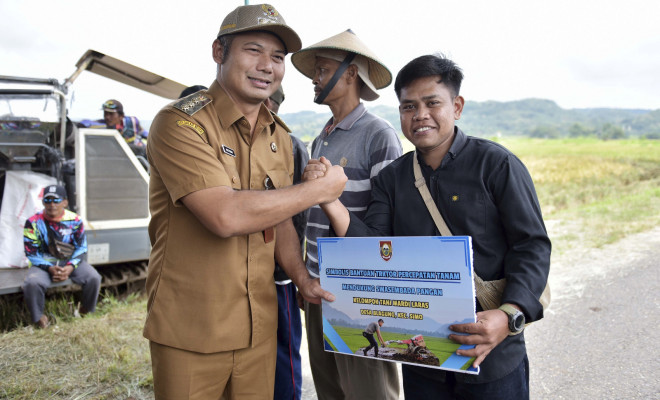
65	202
217	51
351	73
459	102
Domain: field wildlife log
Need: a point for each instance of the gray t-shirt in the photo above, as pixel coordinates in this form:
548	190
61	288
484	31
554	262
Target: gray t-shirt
372	328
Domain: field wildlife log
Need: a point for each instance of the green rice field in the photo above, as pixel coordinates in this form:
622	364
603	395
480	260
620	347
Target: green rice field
440	347
592	192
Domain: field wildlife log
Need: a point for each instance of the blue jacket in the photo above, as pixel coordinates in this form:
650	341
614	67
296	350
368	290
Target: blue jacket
69	230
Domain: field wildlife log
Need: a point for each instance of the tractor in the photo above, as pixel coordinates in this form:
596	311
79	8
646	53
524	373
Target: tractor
106	183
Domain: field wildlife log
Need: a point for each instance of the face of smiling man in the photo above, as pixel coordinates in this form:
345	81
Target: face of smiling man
253	69
427	111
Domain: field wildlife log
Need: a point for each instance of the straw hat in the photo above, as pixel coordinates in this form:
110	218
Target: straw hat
371	70
260	17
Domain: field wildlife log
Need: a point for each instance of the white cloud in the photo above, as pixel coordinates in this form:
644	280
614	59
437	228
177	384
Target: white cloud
578	53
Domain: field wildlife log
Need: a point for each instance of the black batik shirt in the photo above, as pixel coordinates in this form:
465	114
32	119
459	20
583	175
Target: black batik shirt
484	191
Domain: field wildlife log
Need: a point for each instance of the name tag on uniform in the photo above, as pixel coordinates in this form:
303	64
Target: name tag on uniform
228	151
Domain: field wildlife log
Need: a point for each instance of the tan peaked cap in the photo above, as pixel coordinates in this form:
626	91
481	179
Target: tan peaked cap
378	76
260	17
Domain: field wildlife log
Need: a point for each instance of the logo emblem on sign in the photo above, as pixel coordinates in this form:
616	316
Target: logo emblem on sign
386	249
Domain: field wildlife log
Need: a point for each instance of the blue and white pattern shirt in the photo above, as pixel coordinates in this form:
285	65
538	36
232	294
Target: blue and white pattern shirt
69	230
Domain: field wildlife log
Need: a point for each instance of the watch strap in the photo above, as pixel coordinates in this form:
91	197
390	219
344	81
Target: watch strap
511	311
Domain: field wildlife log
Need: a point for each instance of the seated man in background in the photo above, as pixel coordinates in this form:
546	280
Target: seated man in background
55	243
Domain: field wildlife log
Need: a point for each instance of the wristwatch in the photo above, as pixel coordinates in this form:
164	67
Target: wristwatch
516	319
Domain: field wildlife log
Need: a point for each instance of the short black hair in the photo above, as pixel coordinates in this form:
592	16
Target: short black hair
381	320
225	42
191	89
430	65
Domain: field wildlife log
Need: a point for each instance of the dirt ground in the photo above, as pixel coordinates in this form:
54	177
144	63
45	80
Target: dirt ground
597	339
400	354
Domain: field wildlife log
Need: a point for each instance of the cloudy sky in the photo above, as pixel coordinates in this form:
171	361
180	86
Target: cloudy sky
579	53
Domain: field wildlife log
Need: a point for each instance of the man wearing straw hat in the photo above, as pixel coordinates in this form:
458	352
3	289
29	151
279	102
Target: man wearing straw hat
343	71
221	206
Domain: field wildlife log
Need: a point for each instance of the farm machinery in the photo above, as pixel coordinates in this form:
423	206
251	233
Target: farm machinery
106	183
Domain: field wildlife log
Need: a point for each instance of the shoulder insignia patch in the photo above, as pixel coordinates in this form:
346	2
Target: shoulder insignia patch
193	103
196	127
200	131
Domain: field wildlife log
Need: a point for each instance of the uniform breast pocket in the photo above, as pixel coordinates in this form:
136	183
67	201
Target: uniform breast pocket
277	179
468	210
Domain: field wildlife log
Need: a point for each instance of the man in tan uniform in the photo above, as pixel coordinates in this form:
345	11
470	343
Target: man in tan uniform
216	230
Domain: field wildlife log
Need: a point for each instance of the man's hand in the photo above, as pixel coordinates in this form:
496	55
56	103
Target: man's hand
310	289
59	274
334	182
491	328
313	170
300	300
331	177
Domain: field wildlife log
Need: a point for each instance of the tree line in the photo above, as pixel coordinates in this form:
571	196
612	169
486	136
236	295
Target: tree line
537	118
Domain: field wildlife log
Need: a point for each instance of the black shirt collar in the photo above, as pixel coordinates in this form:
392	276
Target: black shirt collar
460	140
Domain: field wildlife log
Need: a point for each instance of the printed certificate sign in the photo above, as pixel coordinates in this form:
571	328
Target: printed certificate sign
407	289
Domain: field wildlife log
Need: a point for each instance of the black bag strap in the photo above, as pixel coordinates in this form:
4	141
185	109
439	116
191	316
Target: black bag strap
489	293
58	248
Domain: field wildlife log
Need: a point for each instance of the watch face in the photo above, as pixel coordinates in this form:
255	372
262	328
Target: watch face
516	318
518	322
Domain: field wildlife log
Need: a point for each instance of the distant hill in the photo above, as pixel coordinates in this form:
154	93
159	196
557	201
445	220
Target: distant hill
529	117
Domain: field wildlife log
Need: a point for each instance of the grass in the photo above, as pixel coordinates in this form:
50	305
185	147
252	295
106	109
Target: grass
101	356
591	192
14	314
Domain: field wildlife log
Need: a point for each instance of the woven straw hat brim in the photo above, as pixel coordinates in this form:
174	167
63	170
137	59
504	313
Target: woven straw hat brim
305	59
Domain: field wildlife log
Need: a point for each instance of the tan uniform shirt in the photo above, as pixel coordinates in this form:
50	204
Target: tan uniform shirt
208	294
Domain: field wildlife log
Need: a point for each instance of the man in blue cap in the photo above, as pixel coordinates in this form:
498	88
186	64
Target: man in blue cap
56	246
